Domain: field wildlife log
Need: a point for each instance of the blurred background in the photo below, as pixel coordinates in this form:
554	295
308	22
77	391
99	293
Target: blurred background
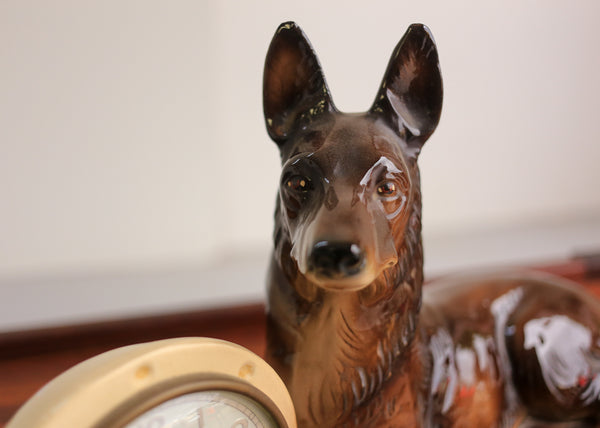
136	175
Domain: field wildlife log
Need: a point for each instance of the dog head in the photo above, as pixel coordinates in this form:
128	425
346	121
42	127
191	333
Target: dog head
349	189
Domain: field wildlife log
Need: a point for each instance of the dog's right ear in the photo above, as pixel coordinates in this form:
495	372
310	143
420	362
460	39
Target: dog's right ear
294	88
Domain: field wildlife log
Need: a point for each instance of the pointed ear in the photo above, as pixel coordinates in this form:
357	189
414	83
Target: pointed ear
294	89
410	96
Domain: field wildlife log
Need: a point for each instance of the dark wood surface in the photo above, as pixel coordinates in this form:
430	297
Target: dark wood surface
29	359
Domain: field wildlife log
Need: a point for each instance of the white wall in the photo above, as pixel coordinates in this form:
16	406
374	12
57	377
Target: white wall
131	132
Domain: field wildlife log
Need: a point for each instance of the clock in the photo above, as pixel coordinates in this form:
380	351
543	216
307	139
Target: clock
173	383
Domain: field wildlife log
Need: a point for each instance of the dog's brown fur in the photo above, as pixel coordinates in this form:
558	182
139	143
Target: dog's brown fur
348	328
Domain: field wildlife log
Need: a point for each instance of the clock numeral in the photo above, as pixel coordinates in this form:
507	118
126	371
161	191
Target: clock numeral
240	423
200	418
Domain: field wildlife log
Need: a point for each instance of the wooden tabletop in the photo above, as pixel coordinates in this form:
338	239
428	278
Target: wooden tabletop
29	359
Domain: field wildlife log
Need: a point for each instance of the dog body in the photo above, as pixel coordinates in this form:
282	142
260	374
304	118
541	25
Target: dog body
349	329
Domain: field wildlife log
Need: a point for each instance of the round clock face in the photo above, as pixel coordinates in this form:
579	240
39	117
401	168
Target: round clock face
206	409
174	383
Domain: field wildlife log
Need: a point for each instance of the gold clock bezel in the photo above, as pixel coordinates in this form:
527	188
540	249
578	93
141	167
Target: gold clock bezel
115	387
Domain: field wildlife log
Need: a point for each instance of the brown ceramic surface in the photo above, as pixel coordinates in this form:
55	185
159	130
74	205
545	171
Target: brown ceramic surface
349	329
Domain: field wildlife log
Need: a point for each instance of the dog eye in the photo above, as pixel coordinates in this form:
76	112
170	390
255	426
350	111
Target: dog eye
386	188
298	183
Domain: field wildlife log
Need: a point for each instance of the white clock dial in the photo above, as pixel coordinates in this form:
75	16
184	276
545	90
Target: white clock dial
206	409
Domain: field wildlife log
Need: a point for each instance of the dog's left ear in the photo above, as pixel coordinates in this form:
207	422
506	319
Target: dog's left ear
294	88
410	96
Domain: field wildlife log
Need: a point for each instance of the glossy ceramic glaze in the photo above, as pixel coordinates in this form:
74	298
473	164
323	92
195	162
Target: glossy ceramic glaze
350	331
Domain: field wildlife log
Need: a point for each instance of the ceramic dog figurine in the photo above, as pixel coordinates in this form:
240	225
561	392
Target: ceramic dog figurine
349	329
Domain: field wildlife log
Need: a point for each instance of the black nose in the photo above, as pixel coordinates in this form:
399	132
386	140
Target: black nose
334	259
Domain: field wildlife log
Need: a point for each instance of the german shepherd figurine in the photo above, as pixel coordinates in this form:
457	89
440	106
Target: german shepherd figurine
349	330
